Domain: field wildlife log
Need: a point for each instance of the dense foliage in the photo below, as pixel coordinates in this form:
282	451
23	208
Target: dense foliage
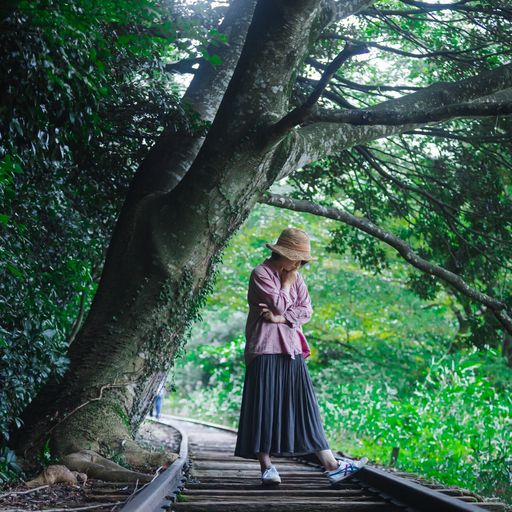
448	199
445	189
84	95
381	363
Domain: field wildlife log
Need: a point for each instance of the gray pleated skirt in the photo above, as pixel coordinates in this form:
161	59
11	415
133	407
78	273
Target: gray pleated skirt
279	414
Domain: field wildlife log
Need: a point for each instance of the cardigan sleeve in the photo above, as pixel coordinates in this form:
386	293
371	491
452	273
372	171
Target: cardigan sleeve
300	312
267	291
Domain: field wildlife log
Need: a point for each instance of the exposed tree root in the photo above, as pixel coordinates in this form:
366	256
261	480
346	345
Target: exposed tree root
96	466
85	441
56	474
79	466
136	456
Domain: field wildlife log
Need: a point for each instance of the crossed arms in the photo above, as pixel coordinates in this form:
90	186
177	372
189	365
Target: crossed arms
276	303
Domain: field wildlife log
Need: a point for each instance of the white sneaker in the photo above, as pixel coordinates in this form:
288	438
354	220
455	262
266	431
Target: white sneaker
270	476
346	468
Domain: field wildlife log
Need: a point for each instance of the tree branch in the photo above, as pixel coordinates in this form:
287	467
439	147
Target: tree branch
462	5
426	8
354	85
204	95
426	55
432	131
297	115
498	308
370	117
215	80
340	9
318	140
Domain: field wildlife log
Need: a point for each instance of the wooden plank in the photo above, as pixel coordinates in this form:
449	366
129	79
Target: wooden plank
454	491
232	465
248	462
256	484
229	455
297	506
274	492
492	506
281	499
219	473
209	446
221	476
214	454
220	448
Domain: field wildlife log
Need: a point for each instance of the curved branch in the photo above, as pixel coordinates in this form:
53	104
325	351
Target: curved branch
391	117
425	55
498	308
318	140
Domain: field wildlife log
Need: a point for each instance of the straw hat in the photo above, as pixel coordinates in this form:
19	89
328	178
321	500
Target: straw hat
293	244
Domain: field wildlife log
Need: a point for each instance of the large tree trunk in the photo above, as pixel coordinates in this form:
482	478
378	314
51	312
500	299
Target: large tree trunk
165	246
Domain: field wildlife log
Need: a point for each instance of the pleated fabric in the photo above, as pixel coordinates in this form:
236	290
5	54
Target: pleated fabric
279	414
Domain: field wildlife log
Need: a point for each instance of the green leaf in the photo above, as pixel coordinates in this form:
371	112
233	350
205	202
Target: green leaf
15	271
215	59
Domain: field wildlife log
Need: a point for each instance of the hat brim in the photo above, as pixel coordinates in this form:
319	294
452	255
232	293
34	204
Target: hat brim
290	254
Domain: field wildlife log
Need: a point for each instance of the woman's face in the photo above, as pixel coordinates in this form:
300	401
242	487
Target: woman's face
288	265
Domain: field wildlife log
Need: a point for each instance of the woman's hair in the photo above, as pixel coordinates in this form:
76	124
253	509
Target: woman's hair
275	256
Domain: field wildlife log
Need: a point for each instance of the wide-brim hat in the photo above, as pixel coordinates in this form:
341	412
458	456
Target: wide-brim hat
293	244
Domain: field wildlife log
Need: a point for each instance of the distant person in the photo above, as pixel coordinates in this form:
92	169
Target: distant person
279	414
159	398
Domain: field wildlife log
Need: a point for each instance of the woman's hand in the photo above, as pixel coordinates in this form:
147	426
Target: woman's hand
288	278
268	315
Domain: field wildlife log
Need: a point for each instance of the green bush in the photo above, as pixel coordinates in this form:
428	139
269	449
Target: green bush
9	468
209	382
452	425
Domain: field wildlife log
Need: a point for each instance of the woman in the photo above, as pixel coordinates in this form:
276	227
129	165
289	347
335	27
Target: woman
279	414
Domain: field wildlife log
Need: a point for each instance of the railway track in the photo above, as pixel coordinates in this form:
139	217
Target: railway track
208	478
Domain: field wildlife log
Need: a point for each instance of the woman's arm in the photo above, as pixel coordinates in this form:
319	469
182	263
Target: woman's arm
276	298
268	315
278	306
300	312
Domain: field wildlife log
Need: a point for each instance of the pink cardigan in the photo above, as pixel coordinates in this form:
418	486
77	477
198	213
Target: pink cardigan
265	337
